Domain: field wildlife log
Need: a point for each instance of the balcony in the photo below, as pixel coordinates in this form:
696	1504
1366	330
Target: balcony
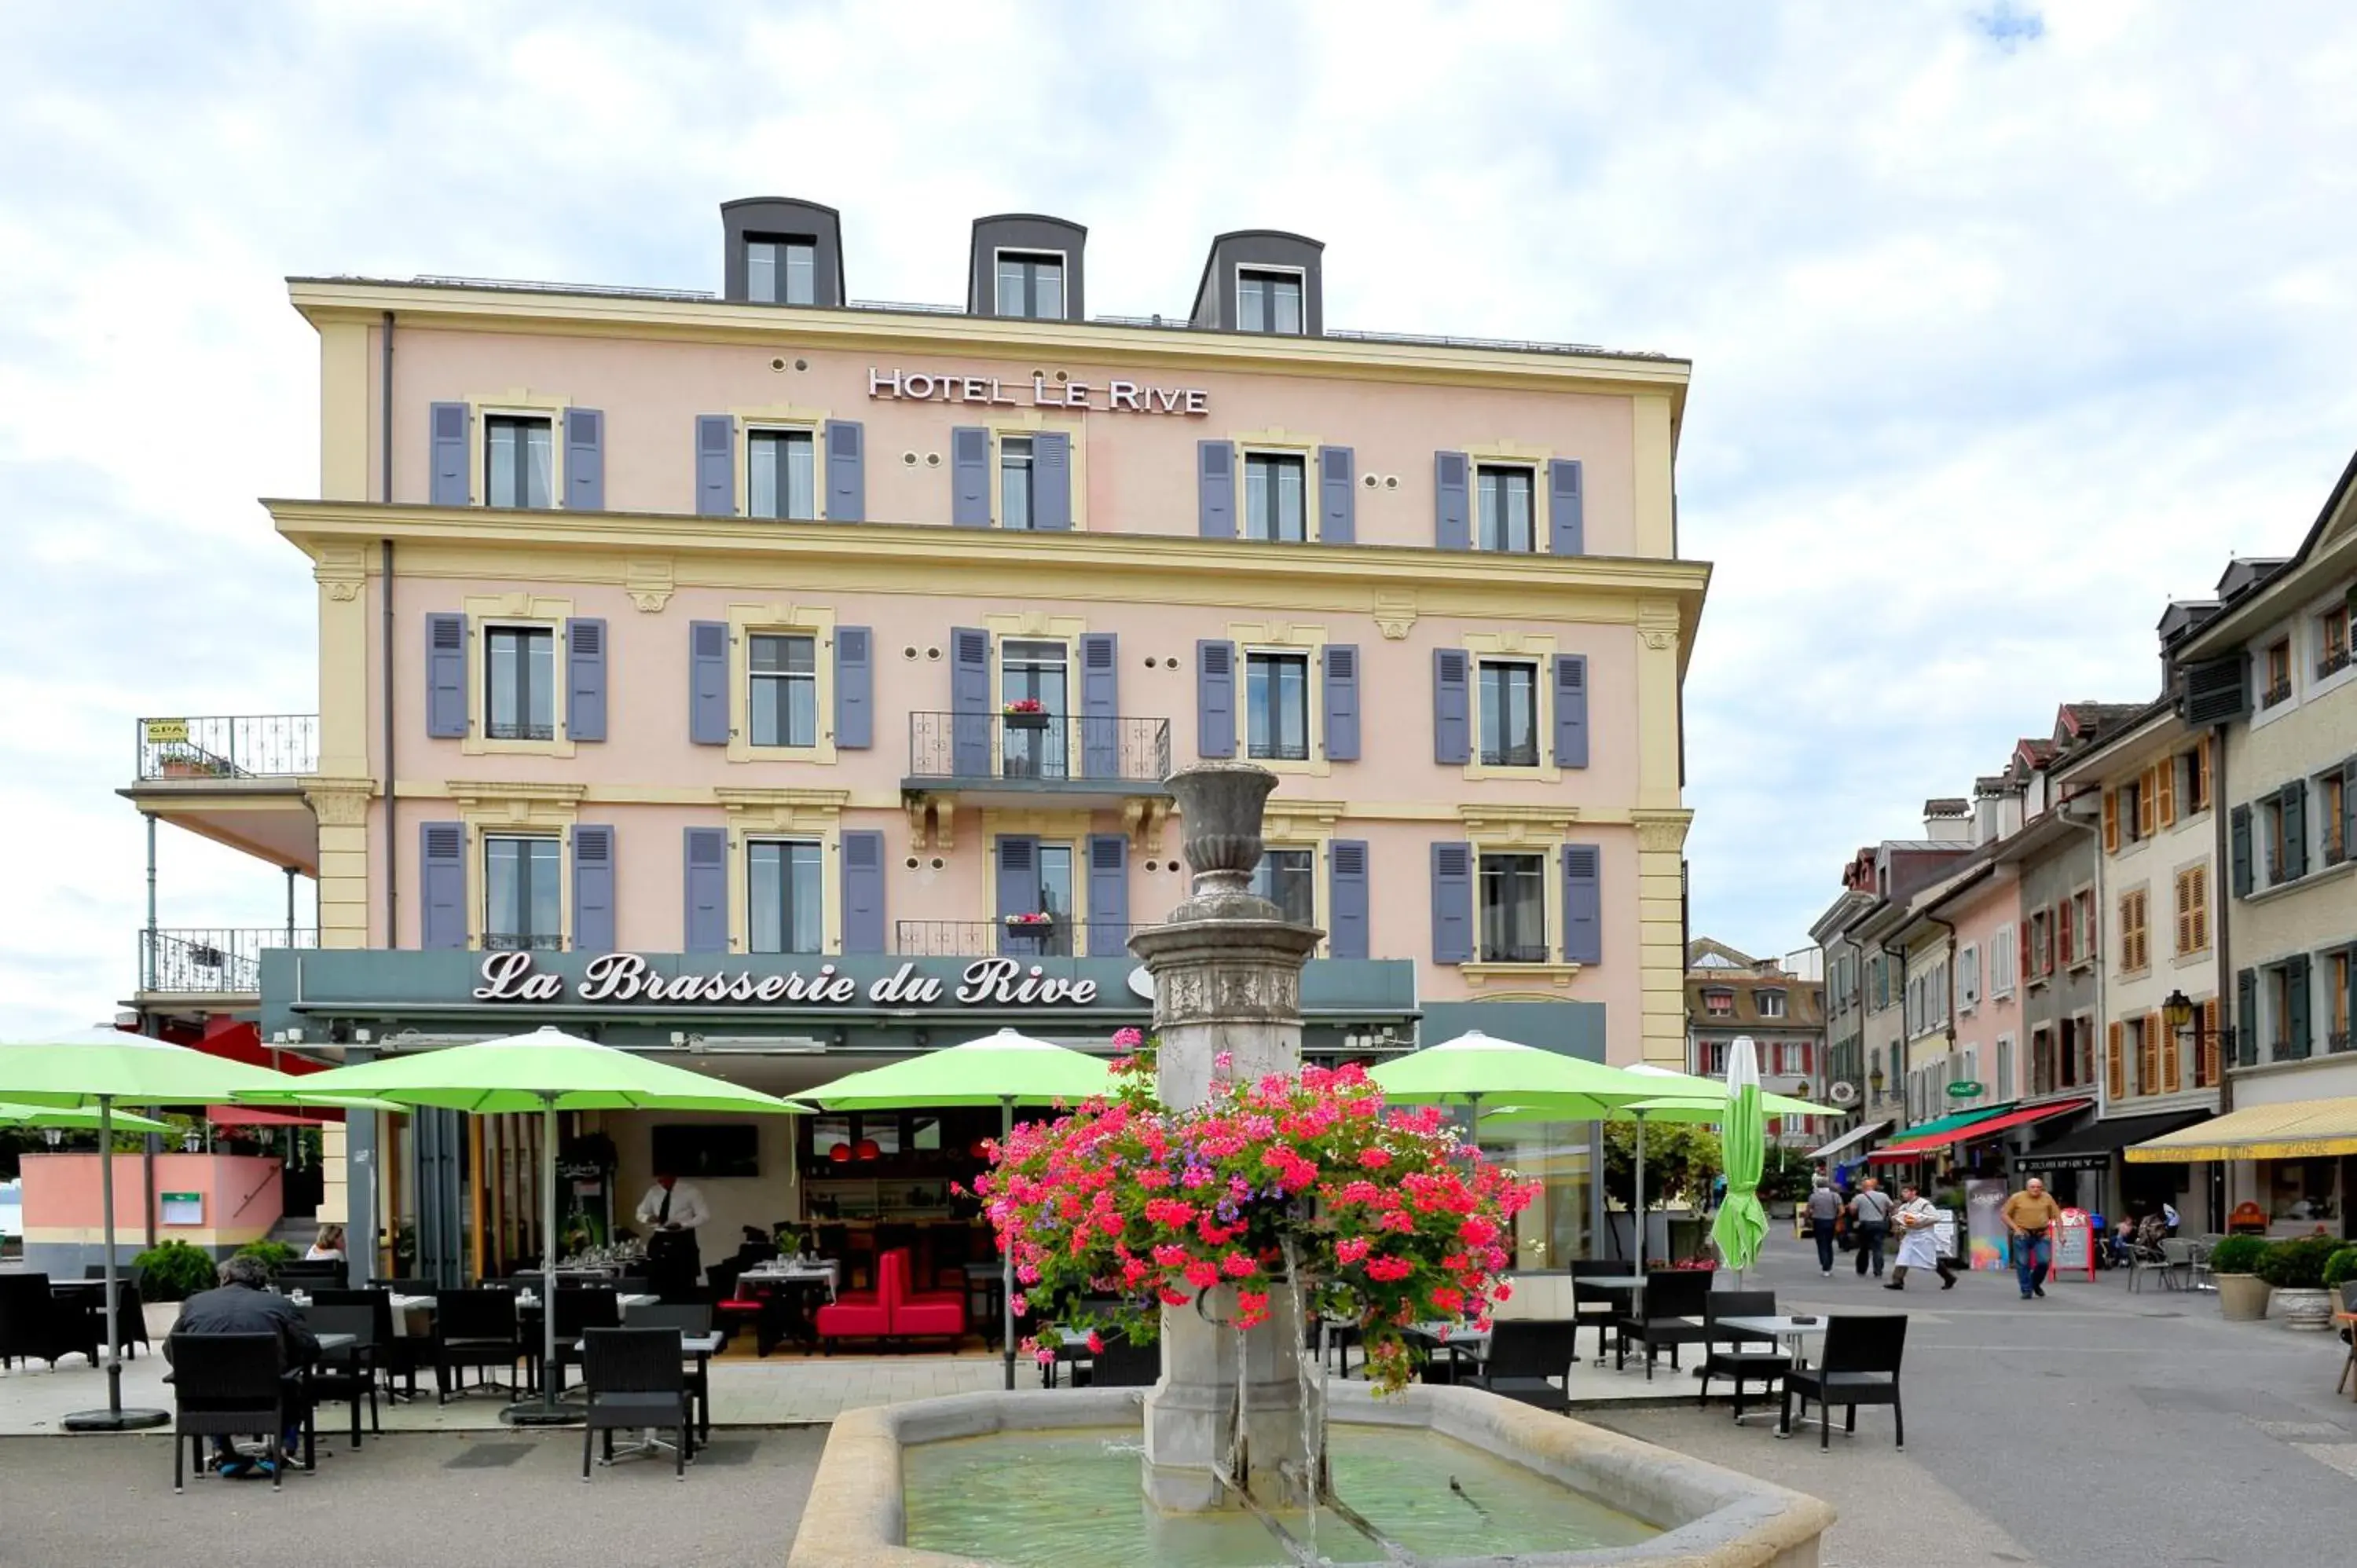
234	779
1021	757
1012	938
2334	662
2339	1040
2278	692
222	962
520	941
236	748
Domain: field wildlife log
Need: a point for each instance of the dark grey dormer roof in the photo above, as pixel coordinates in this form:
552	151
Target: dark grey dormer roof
782	217
1031	231
2245	573
1215	295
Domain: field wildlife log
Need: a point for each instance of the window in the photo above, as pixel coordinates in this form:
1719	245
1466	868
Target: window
782	272
2003	1087
520	675
1273	497
2278	674
1509	714
787	895
1513	909
2041	944
1506	510
1031	284
2276	838
2002	962
1285	878
2193	910
782	477
1034	682
1276	691
2135	943
2333	641
1770	1003
2279	1011
1968	976
2331	823
1014	488
2193	778
520	894
2083	920
1267	302
2336	974
1056	887
1718	1003
519	462
785	697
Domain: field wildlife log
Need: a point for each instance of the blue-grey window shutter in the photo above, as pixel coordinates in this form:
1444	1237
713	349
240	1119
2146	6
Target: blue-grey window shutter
715	465
971	720
1452	902
2349	829
1346	898
706	854
855	688
1337	503
1567	517
1100	705
1215	489
969	476
708	683
2246	1017
1571	710
2293	804
1215	698
1108	896
585	678
585	459
1451	736
593	889
446	676
447	483
1341	701
1018	890
2240	836
863	892
1051	480
442	876
1452	506
1583	903
2294	1034
846	471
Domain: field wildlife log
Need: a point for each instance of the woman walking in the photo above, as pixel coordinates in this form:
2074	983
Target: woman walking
1917	1221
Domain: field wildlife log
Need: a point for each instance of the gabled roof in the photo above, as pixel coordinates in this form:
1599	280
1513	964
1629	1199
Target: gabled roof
2336	525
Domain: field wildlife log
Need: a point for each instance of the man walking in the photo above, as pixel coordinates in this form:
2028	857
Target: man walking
1870	1212
1824	1213
1917	1219
2029	1216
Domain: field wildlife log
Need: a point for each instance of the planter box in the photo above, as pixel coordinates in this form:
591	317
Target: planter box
2310	1310
2242	1298
161	1316
1027	721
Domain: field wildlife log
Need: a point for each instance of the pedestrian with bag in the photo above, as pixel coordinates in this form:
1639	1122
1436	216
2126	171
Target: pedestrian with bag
1869	1211
2029	1216
1918	1222
1823	1211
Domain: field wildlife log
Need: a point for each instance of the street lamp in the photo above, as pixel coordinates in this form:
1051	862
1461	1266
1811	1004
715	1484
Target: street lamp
53	1136
2177	1008
1874	1081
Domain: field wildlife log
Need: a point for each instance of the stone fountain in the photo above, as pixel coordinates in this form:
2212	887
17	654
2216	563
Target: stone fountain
1233	1430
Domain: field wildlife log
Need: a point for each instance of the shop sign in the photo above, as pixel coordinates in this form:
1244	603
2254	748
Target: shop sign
164	732
621	978
1966	1087
1115	396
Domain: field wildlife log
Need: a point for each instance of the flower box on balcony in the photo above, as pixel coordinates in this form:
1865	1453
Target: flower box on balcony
1028	714
1035	921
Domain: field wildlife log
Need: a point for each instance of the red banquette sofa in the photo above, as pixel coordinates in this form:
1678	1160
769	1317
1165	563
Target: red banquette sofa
892	1311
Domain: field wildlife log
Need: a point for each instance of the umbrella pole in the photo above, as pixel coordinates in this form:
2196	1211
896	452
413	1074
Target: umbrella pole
1473	1123
1005	1252
547	1412
1640	1192
113	1418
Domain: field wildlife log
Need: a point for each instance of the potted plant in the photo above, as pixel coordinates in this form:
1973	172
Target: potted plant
2296	1270
1037	918
2235	1269
2341	1268
168	1273
1026	712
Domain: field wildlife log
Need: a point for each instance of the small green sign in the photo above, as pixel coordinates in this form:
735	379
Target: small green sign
1965	1088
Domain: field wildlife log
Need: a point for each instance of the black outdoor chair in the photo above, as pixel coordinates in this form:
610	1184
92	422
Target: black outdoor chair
301	1274
1597	1308
1526	1355
634	1379
131	1312
1729	1353
580	1308
1860	1366
231	1385
1673	1297
693	1321
350	1374
404	1284
37	1325
474	1329
1120	1365
398	1355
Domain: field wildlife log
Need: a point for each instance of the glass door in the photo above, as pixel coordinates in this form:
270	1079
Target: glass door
1033	682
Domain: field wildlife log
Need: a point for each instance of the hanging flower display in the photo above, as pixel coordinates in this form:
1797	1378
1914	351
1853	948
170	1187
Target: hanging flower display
1391	1221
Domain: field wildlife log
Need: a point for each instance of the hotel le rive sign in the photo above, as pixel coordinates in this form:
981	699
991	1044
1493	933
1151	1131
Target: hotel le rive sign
1043	391
622	978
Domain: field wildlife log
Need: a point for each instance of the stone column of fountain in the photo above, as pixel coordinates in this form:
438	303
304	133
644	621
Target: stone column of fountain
1226	978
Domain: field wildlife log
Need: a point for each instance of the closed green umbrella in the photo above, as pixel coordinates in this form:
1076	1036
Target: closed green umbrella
1004	1069
1741	1225
546	1071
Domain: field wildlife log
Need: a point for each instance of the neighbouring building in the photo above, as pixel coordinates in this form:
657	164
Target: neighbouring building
823	662
1778	1005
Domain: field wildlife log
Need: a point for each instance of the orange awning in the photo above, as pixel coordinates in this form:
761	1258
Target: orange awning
1916	1149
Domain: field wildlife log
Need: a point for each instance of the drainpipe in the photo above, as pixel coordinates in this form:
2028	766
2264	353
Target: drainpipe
385	659
148	964
2222	903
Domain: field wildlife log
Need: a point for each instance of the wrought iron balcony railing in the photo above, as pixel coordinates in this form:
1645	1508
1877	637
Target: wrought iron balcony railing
242	745
212	960
2339	1040
522	941
1048	752
1057	937
1513	952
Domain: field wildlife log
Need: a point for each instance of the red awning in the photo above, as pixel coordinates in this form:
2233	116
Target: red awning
252	1116
1915	1148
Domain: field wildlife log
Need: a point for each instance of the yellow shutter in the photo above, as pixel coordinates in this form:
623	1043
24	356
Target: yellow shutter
2111	821
2148	792
2149	1054
2184	913
2206	1054
2166	772
2204	766
2115	1066
2171	1078
2199	879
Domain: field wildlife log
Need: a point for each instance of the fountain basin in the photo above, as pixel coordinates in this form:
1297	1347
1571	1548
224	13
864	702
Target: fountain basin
1707	1517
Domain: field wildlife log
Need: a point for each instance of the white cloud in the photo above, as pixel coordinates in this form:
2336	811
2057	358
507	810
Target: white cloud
1998	341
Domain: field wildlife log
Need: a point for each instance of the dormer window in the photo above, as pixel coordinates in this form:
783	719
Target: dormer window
1268	301
1718	1003
1770	1003
781	270
1031	284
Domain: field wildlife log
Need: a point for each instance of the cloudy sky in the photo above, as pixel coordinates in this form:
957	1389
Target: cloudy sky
2008	323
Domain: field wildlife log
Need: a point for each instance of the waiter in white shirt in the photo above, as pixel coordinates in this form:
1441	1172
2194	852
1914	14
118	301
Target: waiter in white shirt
670	1213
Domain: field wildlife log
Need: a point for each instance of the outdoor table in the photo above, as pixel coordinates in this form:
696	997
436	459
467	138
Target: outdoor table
788	1288
1463	1341
1780	1328
1632	1283
985	1287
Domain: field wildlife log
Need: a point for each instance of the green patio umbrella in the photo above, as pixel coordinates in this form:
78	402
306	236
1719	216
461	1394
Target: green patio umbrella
1741	1225
1004	1069
1475	1067
1681	1108
546	1071
92	1069
83	1120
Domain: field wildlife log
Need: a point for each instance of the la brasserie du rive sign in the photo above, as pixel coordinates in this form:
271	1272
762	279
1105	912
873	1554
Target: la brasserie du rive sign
622	978
1116	396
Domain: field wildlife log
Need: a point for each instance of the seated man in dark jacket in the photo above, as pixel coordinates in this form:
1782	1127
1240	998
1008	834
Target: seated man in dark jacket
242	1305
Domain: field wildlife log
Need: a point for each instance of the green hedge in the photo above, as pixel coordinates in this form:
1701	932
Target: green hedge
2341	1268
175	1271
2298	1265
2238	1255
274	1255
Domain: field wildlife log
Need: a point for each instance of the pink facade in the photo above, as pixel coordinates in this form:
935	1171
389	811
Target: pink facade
241	1197
1986	915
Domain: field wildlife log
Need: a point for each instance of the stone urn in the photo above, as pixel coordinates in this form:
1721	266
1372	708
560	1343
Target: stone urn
2309	1310
1220	806
2242	1298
